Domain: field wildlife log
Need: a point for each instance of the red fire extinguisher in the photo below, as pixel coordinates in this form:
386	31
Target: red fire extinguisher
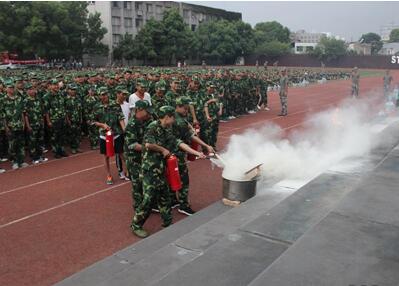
172	173
109	144
194	145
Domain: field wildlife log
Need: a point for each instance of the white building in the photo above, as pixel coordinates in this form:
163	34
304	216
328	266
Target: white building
389	49
121	17
360	48
305	42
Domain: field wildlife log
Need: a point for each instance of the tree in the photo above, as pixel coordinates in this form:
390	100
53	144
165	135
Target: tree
93	35
271	31
329	49
150	41
273	49
373	39
125	48
394	36
180	39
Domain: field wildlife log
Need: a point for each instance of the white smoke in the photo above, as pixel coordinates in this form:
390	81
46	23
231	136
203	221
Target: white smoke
327	138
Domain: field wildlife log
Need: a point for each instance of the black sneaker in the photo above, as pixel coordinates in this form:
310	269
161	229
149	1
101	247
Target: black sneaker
175	204
187	211
64	154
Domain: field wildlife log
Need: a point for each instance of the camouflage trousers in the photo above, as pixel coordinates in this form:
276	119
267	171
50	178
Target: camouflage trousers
93	135
3	144
16	148
156	188
35	139
182	194
262	98
209	131
58	138
74	135
355	90
284	103
134	168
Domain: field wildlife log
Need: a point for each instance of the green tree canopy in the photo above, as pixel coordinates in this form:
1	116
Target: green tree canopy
394	36
93	34
49	29
271	31
373	39
329	49
273	49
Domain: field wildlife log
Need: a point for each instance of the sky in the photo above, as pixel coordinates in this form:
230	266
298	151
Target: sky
348	20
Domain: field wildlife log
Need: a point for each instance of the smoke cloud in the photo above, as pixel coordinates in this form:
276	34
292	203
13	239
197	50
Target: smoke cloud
337	134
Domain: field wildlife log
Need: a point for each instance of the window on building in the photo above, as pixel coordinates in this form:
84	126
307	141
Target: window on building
116	21
139	24
127	5
128	22
138	6
116	39
299	49
193	27
158	9
149	8
92	2
309	49
115	4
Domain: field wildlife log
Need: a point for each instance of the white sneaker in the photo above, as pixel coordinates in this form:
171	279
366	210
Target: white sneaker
24	165
35	162
3	160
2	171
122	175
259	108
43	159
15	166
267	108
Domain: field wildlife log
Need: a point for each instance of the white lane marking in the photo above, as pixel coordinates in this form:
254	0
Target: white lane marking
61	205
52	179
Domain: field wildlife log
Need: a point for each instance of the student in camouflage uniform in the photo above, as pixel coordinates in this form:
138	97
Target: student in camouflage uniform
284	93
158	99
109	116
34	124
185	132
174	92
355	82
73	108
91	103
14	120
3	137
212	109
134	135
159	142
54	108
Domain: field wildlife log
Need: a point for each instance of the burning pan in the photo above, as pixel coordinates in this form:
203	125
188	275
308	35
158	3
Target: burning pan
239	190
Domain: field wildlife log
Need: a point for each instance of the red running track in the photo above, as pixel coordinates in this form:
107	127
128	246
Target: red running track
59	217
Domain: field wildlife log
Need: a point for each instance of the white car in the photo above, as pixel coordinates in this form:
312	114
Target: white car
10	66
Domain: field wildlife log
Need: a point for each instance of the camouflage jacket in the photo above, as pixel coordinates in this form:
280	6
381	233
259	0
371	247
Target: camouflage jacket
156	103
156	134
14	109
183	131
111	115
54	105
134	134
73	108
34	111
90	106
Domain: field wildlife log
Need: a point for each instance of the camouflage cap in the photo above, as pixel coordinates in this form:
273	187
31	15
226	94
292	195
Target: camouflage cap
72	86
144	104
102	90
210	84
161	85
183	100
18	78
166	110
121	89
28	85
175	79
54	81
142	82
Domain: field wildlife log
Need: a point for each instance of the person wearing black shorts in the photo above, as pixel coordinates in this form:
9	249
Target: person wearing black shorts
109	117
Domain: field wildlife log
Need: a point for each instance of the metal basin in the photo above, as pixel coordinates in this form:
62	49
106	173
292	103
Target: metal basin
239	190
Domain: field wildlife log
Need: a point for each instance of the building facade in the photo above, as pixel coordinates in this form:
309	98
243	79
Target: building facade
121	17
360	48
389	49
305	42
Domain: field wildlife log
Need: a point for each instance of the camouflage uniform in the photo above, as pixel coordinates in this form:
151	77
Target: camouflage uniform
283	95
90	105
34	111
3	137
54	105
134	134
355	84
73	108
183	131
14	108
153	168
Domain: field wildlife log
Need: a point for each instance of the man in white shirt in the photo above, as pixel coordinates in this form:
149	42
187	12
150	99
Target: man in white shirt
140	94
